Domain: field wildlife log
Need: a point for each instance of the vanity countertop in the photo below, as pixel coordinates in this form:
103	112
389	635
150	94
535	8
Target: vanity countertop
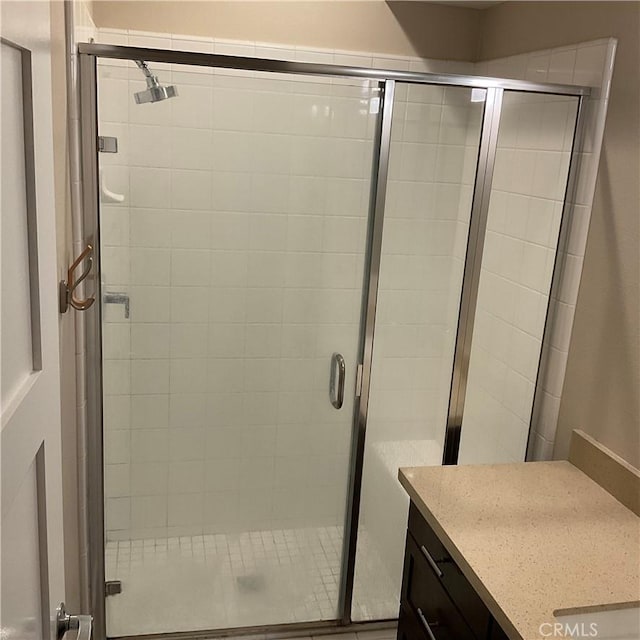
531	538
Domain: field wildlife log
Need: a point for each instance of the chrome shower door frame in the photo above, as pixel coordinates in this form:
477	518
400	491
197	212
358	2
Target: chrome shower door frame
472	266
367	330
92	514
92	565
566	223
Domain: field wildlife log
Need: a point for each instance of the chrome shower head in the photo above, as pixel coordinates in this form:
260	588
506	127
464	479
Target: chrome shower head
155	92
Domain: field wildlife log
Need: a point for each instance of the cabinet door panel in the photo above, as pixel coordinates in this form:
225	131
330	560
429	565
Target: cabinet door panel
408	627
456	585
426	599
496	632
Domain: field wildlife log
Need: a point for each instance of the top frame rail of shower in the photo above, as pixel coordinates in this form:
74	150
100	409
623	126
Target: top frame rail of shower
310	68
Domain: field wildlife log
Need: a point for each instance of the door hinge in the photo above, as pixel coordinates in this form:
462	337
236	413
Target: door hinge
359	381
112	587
107	144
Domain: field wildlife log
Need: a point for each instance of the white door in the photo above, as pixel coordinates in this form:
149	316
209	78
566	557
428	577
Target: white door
32	579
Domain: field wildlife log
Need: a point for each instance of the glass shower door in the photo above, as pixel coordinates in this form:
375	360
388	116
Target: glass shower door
435	139
232	269
533	155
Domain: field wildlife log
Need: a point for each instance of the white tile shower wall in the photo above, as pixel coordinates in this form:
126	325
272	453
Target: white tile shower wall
589	63
188	270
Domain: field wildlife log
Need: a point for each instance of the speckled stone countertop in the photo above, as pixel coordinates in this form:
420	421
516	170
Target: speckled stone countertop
532	538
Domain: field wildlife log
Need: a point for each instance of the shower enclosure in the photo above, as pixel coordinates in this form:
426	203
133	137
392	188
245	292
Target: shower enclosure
309	275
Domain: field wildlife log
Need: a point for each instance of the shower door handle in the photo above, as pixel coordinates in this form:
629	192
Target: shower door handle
338	370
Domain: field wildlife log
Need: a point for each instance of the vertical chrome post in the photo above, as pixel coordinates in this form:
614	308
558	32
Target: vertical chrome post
380	172
94	474
559	264
472	266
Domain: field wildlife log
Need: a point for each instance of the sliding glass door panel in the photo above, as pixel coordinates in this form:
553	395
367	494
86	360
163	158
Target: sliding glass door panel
435	139
234	232
525	212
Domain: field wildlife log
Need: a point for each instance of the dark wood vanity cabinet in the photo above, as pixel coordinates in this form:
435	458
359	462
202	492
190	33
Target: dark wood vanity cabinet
437	601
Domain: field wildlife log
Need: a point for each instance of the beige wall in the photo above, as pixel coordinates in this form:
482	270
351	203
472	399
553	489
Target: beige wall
602	387
400	28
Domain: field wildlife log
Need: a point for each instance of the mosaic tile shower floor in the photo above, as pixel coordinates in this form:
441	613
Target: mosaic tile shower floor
234	580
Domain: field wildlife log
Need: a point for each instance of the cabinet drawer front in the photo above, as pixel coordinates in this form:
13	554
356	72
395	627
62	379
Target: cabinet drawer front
408	626
445	570
427	601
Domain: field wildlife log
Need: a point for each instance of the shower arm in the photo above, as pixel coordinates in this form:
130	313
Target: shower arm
152	80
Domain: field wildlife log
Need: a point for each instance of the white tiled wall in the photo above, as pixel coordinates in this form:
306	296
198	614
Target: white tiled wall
525	210
591	64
